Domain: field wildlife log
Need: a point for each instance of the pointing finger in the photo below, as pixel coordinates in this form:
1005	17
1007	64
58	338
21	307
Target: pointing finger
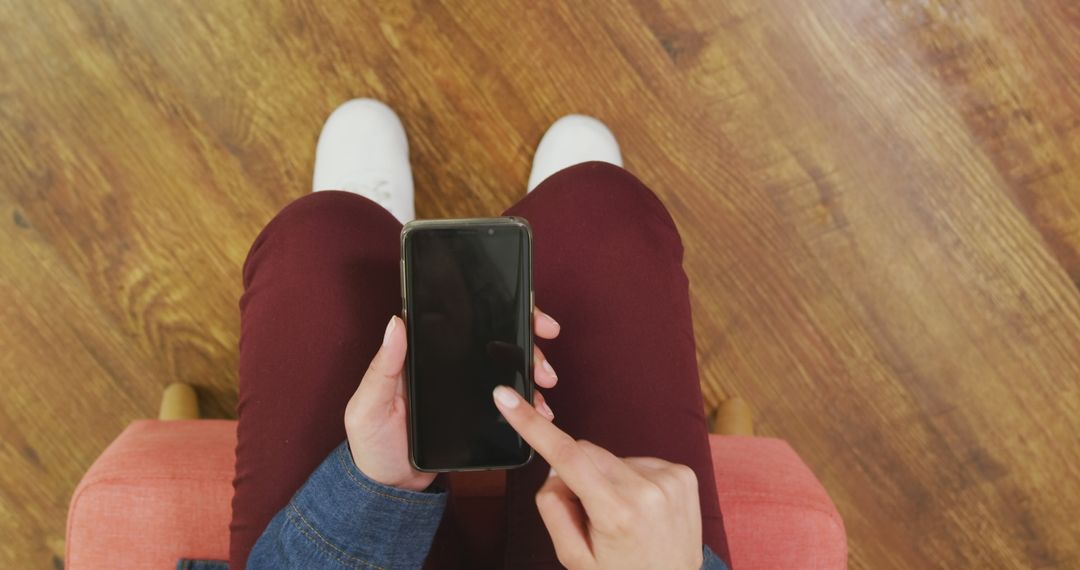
559	449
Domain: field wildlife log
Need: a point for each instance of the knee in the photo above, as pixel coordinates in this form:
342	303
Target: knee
326	215
611	205
322	228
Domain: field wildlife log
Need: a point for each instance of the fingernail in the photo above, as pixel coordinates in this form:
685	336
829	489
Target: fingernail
506	396
552	473
547	410
553	321
389	330
547	367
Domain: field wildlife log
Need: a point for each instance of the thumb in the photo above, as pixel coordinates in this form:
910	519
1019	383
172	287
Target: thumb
382	381
565	520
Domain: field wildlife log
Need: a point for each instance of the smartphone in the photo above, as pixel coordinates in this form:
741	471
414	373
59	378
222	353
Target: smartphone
467	301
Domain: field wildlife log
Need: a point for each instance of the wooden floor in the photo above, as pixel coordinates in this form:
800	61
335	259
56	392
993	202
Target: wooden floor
880	201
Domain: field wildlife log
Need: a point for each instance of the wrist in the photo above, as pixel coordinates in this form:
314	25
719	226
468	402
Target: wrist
404	479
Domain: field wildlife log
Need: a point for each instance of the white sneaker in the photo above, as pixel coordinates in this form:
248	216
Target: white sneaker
363	149
571	140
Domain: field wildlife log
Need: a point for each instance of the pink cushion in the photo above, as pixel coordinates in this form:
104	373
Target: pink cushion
776	513
162	491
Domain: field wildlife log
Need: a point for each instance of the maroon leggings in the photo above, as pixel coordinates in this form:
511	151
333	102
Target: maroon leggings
321	281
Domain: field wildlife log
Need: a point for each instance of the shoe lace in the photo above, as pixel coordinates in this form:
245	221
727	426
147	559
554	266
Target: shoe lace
378	190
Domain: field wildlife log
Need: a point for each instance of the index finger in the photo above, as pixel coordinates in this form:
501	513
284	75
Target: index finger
559	449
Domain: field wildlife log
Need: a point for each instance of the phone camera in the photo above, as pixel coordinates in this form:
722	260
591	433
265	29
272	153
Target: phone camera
491	231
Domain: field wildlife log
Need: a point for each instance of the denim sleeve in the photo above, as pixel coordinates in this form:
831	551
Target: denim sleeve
342	519
712	561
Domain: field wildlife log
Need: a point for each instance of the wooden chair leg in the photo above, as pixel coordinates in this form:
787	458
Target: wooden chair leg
179	402
733	417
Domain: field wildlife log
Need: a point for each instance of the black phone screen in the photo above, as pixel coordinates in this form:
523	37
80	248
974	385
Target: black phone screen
469	312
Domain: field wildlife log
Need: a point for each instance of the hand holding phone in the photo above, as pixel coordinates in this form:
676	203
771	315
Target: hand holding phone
604	511
375	416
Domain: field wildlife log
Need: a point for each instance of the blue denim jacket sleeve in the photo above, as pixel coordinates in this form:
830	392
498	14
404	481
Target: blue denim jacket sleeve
712	561
342	519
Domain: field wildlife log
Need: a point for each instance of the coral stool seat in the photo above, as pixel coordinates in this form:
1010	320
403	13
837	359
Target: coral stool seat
162	491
